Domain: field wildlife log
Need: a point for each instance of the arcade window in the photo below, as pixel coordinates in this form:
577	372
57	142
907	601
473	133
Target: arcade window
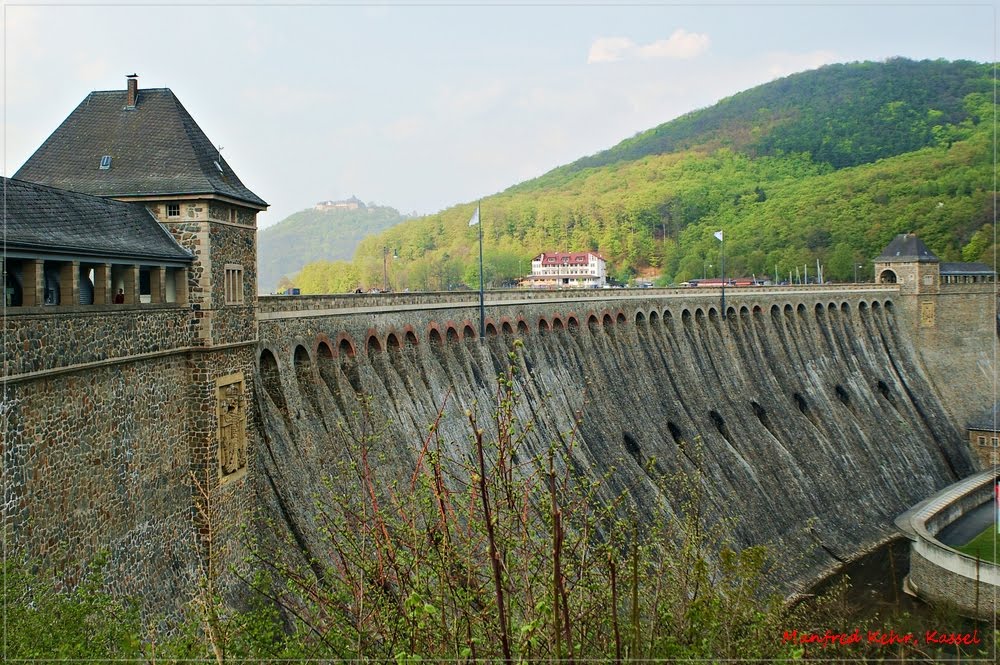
173	210
234	284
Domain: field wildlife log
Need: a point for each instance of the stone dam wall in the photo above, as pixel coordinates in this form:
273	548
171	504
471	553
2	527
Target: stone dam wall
816	422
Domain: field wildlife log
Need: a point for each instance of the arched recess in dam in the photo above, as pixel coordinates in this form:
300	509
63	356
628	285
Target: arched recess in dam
811	421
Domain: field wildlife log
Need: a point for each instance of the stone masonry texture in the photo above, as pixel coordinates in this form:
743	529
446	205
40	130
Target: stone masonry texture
807	404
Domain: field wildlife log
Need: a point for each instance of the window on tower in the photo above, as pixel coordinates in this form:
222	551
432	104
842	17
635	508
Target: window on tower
234	284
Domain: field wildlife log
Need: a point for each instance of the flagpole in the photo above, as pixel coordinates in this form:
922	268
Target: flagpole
723	239
482	299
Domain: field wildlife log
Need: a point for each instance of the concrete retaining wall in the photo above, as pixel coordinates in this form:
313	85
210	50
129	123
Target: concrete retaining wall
939	573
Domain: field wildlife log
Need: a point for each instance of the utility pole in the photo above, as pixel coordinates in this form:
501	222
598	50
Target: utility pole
482	289
385	269
723	241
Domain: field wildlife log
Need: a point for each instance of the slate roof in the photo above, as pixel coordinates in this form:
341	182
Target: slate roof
966	269
907	247
42	220
988	420
156	149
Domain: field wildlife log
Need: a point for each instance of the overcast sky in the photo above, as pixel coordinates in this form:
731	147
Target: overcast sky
422	106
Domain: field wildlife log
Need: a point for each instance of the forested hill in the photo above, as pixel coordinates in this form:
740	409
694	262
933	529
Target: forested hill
841	115
311	235
823	165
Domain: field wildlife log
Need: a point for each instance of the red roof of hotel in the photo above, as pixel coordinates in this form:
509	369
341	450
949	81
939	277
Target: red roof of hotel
564	258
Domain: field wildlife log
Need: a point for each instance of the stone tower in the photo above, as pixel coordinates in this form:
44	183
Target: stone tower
143	146
908	262
950	308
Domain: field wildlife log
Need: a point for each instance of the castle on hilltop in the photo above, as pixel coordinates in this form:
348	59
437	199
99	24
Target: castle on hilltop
353	203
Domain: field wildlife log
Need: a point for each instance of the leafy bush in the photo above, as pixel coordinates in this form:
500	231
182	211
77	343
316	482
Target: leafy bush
43	622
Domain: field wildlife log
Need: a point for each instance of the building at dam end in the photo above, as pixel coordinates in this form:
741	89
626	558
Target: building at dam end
153	404
131	342
951	311
984	436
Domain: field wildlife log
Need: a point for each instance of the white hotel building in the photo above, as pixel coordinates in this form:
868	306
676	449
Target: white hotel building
568	270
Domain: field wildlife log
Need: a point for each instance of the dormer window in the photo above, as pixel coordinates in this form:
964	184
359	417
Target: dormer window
173	210
105	162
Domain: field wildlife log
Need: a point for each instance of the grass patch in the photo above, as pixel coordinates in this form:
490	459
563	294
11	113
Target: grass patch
984	545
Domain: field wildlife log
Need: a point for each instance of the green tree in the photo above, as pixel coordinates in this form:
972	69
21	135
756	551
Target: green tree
980	245
841	263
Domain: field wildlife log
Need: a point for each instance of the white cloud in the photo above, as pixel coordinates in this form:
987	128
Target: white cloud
376	12
610	49
92	69
256	37
24	31
681	45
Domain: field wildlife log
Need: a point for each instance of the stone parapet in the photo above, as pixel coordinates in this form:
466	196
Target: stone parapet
978	288
39	339
267	306
384	320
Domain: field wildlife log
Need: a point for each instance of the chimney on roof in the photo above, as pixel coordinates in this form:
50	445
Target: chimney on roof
133	90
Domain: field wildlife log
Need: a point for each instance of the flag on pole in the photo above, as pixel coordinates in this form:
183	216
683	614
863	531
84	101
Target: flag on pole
718	235
475	217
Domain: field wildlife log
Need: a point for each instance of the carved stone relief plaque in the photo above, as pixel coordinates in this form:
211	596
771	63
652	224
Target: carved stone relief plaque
926	315
230	407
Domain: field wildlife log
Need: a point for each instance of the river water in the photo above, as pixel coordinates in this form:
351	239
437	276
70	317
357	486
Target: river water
876	581
877	602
